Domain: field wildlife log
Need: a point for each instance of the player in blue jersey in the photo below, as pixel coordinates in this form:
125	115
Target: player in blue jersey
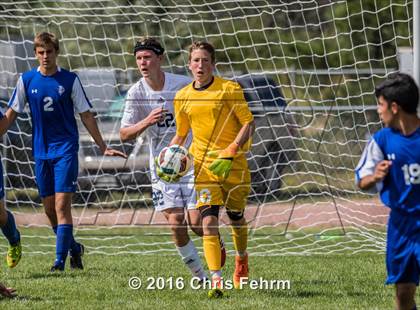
7	223
390	164
54	96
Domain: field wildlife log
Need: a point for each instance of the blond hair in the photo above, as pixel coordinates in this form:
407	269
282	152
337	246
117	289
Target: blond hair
43	39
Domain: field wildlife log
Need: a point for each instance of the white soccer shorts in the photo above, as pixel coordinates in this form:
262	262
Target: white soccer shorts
174	195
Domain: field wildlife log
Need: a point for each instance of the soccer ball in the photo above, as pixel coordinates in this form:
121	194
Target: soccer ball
174	160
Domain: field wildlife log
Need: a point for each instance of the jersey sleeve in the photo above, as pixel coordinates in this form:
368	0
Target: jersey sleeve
181	118
240	105
78	95
371	156
18	100
132	111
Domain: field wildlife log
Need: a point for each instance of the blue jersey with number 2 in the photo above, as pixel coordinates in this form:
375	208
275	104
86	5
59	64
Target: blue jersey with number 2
53	101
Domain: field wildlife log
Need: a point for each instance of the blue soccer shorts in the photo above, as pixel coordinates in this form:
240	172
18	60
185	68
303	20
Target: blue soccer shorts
57	175
403	249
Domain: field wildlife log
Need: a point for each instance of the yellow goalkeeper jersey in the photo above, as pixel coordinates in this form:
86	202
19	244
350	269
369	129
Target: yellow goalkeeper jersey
215	115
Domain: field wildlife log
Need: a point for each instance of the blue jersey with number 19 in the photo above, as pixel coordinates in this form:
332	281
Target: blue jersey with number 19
53	101
400	190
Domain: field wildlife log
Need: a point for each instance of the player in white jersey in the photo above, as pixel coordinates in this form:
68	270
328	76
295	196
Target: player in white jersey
149	106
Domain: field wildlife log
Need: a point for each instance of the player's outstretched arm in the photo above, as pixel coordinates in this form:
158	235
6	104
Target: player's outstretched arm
92	127
7	120
7	291
132	132
381	170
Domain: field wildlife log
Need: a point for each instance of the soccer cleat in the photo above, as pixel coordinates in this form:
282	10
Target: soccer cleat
14	254
241	270
216	290
76	258
56	268
222	252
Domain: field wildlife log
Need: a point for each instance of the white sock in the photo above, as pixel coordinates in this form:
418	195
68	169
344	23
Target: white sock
190	257
217	273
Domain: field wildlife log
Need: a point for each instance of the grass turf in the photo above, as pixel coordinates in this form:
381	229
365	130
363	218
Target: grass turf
318	281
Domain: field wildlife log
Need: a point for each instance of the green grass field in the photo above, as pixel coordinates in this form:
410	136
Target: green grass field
316	282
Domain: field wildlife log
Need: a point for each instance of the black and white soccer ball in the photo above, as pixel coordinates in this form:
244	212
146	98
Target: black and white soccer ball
174	160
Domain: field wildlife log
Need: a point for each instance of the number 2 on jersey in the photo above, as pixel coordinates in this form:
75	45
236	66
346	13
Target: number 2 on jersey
168	121
48	104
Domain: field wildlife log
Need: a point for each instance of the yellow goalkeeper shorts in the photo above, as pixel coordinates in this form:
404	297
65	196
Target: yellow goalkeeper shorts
231	192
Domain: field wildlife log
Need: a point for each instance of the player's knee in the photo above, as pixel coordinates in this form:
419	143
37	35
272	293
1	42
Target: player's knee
179	230
61	209
176	220
234	215
210	216
50	212
198	230
206	211
180	235
63	213
195	223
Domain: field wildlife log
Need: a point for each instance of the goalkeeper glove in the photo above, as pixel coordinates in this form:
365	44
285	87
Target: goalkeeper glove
166	177
223	164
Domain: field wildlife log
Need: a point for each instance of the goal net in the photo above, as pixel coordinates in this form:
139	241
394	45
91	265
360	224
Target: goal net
308	69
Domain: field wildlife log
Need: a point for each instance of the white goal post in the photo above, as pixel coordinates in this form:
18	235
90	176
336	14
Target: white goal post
308	68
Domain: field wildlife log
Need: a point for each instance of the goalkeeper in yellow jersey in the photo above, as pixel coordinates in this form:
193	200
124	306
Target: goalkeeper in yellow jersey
222	125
